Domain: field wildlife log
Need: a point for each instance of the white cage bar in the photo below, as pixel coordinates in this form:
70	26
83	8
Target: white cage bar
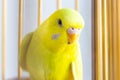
20	33
3	37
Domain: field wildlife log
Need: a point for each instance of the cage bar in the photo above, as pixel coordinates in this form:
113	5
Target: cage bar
77	5
109	6
114	28
110	39
20	34
105	39
58	4
3	37
98	40
118	14
39	11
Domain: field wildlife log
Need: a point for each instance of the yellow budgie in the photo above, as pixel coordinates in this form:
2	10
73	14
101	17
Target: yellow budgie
52	51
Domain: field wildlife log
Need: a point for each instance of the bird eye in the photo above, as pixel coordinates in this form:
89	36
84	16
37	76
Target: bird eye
60	22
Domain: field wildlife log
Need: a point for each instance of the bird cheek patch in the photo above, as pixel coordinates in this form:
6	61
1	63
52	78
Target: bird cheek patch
55	36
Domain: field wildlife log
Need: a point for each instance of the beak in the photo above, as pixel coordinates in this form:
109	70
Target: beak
72	34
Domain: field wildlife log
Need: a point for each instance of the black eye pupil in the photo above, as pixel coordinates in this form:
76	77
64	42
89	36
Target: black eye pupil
60	22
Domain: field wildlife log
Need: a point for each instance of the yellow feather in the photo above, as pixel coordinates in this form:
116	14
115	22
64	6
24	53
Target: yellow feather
54	59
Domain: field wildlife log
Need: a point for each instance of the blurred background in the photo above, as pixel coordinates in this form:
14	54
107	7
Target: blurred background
30	8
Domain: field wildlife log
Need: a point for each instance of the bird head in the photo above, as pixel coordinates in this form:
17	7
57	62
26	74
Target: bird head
62	29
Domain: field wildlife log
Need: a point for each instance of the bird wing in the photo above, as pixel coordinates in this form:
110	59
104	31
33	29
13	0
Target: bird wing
23	50
75	72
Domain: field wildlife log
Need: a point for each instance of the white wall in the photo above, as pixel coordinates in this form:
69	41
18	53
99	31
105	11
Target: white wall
30	24
85	40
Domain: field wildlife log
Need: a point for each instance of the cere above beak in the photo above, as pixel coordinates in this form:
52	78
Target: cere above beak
72	34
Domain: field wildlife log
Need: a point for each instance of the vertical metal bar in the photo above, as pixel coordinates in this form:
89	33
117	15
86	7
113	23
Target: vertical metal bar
105	39
77	5
58	4
98	40
39	11
114	28
20	33
110	39
118	15
117	42
3	37
95	36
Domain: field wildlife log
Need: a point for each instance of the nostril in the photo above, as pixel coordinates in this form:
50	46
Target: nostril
72	28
